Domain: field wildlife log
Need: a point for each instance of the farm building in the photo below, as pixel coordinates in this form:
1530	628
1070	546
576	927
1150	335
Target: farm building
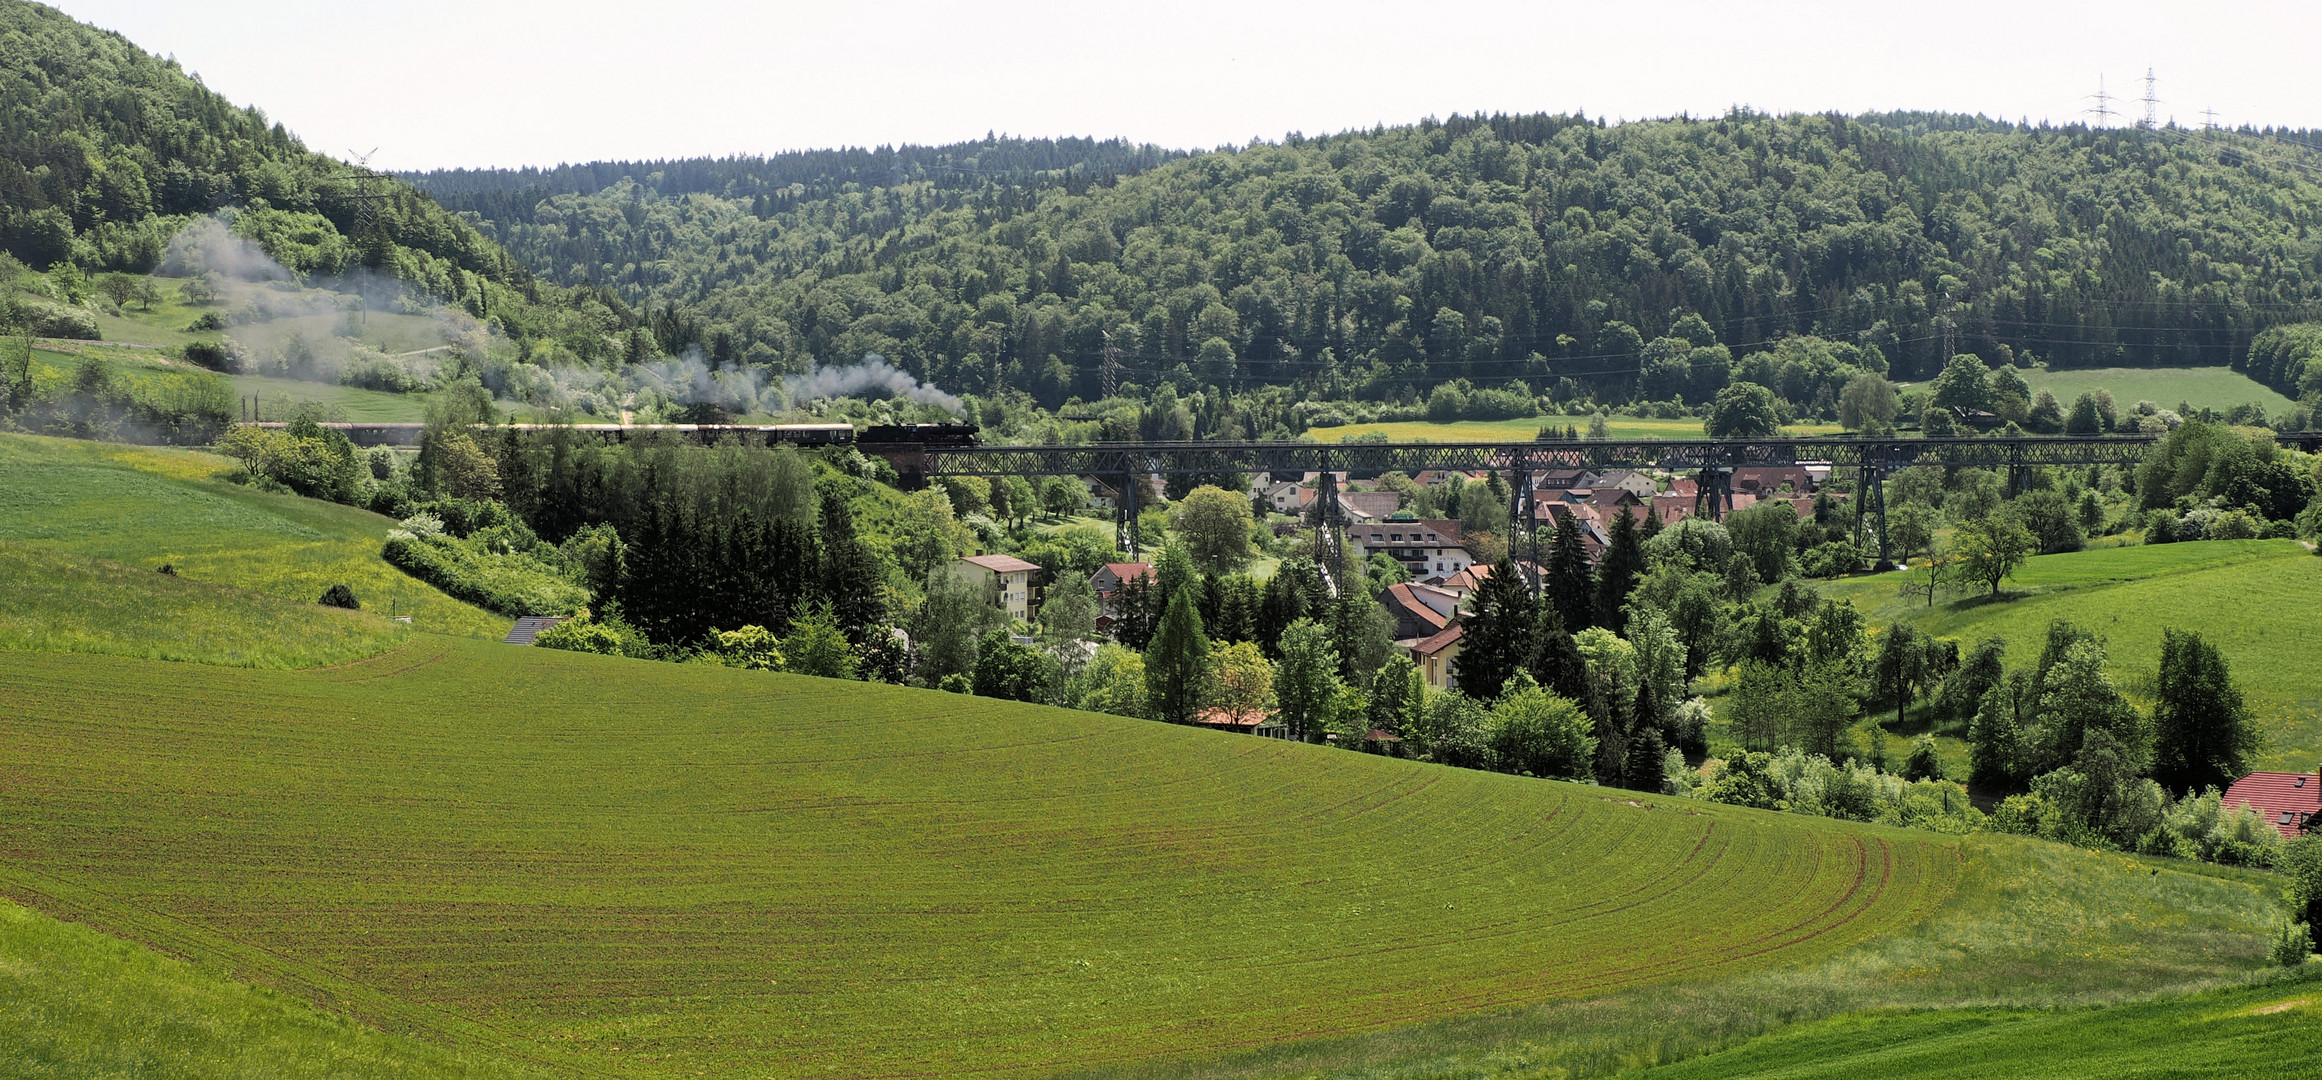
1006	581
2288	800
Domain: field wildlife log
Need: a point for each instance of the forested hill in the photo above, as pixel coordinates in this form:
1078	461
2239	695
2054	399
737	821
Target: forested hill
774	182
107	150
1539	247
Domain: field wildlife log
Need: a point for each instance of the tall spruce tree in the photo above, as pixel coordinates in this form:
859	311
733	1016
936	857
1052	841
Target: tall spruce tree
1570	585
850	576
1556	661
1177	662
1618	570
1500	634
2202	730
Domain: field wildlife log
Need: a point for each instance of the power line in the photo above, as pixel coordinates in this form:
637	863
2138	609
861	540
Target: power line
2152	103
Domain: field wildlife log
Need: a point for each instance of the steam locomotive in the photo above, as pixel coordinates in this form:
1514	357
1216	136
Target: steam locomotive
920	435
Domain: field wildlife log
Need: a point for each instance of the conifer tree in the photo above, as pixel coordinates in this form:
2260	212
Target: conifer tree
1570	585
1618	570
1556	662
1177	661
849	574
1500	634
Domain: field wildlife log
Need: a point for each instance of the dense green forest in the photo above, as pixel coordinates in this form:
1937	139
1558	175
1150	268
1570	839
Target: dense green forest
1515	258
107	152
1492	248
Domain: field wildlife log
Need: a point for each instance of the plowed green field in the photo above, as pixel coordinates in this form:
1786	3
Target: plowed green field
649	869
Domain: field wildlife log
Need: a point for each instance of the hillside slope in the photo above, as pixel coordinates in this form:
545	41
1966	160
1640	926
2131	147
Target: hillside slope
2261	1031
144	507
75	1003
1531	247
667	868
2253	599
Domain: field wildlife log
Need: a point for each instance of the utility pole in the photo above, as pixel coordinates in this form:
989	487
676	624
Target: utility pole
1950	329
2208	119
2152	102
1110	370
2104	112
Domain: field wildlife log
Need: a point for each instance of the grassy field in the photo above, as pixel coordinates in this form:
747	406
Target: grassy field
142	507
2272	1031
2205	387
76	1003
2255	599
55	602
278	399
670	869
2031	925
1623	427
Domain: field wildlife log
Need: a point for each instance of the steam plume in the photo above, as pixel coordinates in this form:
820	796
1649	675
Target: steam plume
874	377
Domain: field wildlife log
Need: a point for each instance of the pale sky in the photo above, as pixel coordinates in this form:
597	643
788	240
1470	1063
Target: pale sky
441	83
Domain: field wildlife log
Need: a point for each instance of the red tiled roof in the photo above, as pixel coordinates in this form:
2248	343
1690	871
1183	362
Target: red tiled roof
1439	642
1217	717
1002	564
1127	570
1399	597
2286	799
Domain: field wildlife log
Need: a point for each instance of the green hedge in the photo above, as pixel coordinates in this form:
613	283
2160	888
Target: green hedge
510	584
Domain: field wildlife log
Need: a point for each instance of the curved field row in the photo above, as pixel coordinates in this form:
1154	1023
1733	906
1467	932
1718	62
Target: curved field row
656	869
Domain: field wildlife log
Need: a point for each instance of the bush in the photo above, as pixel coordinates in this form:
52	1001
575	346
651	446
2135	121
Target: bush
511	583
2019	815
211	355
1924	763
2293	943
339	596
583	633
1831	559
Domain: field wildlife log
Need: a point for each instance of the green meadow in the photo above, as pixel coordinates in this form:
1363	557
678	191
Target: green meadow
2255	599
144	507
51	601
78	1003
2264	1031
603	863
2217	388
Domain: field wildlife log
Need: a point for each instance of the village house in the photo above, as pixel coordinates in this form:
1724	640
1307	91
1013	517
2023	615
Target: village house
2289	801
1364	507
1629	480
1101	495
1769	479
1420	610
1006	581
1107	582
1427	549
1438	658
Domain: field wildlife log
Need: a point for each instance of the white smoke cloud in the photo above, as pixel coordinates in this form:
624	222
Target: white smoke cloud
688	379
206	246
874	377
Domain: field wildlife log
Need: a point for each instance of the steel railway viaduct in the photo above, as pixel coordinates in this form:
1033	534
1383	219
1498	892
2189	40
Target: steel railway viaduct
1865	461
